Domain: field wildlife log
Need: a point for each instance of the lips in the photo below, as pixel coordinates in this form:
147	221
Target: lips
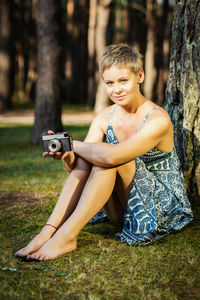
119	97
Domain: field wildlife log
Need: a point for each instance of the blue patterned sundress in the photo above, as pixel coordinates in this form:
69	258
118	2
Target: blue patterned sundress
157	204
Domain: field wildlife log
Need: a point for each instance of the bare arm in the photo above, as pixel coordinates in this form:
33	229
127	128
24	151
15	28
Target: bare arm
108	155
95	134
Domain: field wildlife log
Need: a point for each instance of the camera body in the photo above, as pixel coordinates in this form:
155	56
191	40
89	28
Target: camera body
59	142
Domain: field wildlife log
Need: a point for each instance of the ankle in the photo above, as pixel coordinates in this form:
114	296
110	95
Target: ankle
48	231
66	236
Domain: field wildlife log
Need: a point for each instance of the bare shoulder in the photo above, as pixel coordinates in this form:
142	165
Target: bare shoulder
98	127
159	119
160	126
103	117
159	112
161	122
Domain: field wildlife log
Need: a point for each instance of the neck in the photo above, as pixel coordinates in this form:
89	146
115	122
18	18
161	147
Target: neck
135	105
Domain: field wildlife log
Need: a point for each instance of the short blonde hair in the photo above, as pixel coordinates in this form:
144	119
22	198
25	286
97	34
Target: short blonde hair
121	55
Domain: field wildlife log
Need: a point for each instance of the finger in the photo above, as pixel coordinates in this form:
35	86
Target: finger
50	132
57	155
45	154
51	154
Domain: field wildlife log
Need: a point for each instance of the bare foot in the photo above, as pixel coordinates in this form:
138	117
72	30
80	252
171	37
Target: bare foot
53	248
36	243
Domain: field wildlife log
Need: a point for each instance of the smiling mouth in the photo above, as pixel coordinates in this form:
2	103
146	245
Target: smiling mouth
119	97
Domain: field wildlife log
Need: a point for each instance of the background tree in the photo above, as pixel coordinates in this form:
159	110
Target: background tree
183	90
150	69
76	51
103	13
84	33
92	51
6	54
163	44
137	26
48	102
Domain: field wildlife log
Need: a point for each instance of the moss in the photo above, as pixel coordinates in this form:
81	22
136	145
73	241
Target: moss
102	267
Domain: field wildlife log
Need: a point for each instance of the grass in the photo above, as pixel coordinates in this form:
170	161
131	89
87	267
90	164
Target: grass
102	267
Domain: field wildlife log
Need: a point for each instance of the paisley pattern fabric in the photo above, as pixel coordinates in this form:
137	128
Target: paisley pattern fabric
157	204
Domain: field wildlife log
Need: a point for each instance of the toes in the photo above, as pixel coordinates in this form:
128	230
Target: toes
46	258
32	257
37	256
24	251
20	253
29	257
42	257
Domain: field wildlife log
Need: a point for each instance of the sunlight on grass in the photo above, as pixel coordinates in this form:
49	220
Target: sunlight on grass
102	267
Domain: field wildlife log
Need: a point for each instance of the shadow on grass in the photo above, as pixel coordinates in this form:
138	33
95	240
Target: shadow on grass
101	267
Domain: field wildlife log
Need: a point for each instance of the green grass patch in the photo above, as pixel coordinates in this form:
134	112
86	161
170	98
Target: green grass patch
102	267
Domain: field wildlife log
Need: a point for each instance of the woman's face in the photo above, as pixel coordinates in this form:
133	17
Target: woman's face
121	84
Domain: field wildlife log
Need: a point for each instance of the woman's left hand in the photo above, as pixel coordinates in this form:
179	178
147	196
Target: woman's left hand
55	155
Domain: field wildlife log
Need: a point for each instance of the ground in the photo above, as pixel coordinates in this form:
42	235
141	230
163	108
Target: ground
102	267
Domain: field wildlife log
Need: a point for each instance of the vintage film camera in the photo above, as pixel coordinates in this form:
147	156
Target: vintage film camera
59	142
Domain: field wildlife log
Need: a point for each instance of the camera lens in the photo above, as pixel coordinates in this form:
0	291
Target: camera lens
54	145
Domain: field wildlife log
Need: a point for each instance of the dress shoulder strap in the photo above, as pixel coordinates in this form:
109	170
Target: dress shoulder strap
111	115
146	117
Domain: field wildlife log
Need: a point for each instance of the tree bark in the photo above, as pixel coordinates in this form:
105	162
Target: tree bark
48	103
121	21
103	13
137	26
77	52
163	54
92	51
150	70
183	91
6	51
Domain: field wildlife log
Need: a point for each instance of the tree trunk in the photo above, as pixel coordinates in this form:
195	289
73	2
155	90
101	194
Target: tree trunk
6	49
183	91
91	51
150	70
48	104
121	21
76	51
102	23
137	27
163	54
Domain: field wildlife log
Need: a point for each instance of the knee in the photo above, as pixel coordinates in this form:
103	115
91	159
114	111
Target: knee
128	168
96	169
82	165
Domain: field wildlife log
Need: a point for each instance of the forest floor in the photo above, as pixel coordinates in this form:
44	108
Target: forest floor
27	117
102	267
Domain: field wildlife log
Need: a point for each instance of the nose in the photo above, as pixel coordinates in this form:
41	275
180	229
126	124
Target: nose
117	88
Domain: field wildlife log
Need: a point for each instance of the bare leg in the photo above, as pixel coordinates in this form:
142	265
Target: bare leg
65	206
116	206
96	193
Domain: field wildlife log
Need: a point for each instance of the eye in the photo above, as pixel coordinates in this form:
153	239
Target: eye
109	82
124	80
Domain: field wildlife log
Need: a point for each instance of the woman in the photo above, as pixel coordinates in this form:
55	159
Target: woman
135	177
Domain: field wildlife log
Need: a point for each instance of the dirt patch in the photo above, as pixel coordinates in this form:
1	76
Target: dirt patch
26	199
27	117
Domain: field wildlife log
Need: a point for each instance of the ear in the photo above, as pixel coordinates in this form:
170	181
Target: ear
140	76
